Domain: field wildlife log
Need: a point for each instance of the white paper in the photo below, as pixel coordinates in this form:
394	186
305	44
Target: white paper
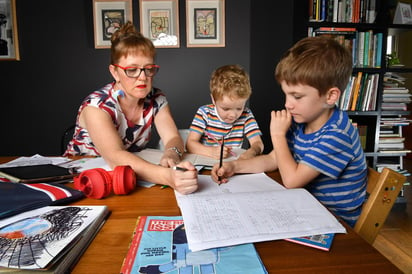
87	163
251	208
36	159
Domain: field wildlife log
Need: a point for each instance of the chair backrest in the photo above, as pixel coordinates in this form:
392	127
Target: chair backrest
66	138
383	189
183	133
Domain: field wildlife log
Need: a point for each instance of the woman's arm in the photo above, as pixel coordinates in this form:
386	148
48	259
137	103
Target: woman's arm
107	141
174	146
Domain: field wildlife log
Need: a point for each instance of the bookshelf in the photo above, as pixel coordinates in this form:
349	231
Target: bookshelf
378	92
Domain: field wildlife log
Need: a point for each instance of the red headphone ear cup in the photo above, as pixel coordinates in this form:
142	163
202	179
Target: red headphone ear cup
94	183
124	180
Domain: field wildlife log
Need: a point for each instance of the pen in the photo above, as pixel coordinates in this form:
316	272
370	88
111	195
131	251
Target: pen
221	156
179	168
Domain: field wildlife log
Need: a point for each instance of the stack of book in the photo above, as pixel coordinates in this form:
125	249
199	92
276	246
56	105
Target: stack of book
395	95
390	136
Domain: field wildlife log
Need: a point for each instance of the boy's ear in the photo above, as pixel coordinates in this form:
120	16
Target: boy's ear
332	96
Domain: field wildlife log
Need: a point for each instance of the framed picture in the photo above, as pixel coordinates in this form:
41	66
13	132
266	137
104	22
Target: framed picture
9	42
403	14
205	23
109	16
159	21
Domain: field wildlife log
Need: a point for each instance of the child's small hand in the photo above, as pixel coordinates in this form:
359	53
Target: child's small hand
216	152
280	122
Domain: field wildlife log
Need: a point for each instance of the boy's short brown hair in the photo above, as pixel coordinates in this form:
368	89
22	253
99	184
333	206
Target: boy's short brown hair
320	62
230	80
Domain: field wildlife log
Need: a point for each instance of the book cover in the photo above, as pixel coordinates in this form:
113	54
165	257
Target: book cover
159	245
49	239
321	241
37	173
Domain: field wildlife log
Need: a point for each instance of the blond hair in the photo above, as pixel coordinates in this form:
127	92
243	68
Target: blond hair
230	80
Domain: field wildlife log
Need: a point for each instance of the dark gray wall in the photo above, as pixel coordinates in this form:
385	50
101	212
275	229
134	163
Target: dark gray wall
59	66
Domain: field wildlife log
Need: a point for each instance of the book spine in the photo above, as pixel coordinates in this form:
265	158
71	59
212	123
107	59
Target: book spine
134	245
356	91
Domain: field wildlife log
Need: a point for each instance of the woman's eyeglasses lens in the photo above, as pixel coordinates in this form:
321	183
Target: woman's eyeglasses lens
135	72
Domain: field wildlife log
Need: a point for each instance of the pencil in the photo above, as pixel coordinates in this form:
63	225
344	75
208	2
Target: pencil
217	141
221	156
179	168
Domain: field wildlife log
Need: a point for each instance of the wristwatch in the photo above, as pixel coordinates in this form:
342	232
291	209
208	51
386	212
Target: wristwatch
175	149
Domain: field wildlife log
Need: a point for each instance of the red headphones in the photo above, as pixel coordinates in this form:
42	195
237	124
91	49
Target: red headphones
97	183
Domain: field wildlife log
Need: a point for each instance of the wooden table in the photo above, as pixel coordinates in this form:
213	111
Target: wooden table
349	252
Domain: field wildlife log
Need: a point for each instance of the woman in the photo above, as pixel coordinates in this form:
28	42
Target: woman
117	120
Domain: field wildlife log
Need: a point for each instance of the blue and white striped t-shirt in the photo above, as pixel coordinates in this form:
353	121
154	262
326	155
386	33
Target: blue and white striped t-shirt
335	151
207	123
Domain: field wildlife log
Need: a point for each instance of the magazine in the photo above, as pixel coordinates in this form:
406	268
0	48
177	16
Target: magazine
159	245
49	239
321	241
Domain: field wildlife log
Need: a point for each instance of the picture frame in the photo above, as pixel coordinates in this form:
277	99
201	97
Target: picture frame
108	16
159	21
9	42
205	23
403	14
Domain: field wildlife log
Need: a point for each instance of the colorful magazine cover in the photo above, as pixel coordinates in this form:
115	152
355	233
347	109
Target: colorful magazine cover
322	241
159	245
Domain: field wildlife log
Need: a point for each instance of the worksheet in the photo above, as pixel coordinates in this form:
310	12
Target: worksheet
251	208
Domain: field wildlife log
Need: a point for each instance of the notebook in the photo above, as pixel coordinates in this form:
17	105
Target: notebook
37	173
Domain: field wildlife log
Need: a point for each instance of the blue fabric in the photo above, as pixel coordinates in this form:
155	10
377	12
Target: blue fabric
335	151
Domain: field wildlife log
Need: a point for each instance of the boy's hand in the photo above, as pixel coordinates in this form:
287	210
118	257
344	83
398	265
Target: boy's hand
215	152
280	122
227	170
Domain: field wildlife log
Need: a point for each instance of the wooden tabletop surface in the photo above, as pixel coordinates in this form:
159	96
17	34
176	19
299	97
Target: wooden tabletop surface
349	252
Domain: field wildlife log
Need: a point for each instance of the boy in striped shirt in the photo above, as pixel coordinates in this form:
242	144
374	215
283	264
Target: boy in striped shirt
226	118
315	144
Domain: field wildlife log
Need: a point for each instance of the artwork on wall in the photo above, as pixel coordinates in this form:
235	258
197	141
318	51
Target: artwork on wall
159	21
205	21
109	16
9	42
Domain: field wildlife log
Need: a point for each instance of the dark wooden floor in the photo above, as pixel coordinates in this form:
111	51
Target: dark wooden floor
395	238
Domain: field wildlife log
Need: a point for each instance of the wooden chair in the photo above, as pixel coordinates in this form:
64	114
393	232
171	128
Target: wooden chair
383	189
66	138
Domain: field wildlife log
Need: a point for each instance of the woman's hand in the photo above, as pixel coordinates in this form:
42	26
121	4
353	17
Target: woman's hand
184	178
